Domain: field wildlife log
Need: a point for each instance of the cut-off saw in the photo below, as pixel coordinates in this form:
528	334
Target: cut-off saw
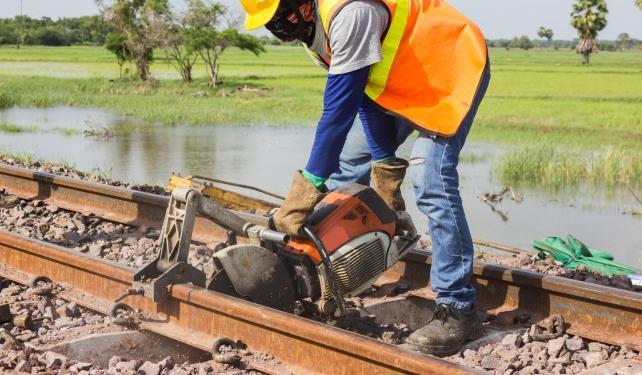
352	237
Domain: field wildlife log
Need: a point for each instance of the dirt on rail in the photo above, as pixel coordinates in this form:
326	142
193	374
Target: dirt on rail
66	171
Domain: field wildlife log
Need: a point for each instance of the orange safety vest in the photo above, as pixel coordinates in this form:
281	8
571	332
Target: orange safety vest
433	61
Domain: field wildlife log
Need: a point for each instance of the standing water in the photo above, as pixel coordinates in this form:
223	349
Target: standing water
268	156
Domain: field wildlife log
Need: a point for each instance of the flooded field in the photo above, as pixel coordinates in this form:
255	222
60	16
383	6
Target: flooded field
124	149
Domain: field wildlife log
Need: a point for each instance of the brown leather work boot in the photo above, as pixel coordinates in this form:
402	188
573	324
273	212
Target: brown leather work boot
386	180
298	205
446	332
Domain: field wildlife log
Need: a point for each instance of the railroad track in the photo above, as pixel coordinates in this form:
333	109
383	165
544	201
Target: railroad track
198	317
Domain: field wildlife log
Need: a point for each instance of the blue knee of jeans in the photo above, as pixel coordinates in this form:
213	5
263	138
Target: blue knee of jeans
354	162
355	157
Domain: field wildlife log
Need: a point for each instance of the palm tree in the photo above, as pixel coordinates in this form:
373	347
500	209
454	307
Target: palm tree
546	33
588	18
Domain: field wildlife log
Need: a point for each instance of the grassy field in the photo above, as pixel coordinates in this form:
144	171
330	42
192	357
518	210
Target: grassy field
571	117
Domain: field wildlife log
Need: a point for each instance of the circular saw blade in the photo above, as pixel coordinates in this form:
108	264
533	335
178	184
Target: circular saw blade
221	283
255	274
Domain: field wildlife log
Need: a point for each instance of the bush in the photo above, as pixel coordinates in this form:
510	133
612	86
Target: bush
65	31
607	46
50	37
522	42
8	36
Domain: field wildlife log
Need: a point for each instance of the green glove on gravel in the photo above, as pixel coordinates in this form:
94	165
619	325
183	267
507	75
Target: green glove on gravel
572	253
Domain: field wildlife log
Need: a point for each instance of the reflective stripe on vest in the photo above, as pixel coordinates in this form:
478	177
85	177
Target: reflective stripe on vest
433	62
320	60
379	72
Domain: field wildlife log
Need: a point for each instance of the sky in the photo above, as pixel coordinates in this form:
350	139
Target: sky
497	18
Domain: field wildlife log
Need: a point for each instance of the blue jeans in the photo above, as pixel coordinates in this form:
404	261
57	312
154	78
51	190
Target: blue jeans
433	170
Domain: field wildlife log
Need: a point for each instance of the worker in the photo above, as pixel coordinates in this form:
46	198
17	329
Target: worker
401	65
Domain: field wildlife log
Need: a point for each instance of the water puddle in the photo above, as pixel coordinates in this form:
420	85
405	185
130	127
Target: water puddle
268	156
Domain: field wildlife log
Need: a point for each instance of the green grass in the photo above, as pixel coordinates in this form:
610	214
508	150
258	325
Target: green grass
6	100
12	128
559	169
21	157
171	102
290	87
543	99
29	160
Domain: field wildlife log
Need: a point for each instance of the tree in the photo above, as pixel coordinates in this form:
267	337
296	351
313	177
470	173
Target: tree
204	36
588	18
545	33
183	58
143	25
522	42
115	43
638	3
182	55
624	41
21	35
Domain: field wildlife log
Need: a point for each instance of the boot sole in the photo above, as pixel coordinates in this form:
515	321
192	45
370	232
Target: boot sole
444	351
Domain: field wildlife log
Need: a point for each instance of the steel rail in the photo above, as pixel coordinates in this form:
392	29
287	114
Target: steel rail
592	311
198	317
136	208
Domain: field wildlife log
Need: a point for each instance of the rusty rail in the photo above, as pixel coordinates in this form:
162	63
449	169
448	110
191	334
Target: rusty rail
124	206
596	312
198	317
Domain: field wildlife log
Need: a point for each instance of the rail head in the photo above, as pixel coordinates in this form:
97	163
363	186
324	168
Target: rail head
557	284
77	184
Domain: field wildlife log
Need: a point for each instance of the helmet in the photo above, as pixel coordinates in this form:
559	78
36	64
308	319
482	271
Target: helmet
258	12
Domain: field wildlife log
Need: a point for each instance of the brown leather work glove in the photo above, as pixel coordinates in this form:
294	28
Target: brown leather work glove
298	205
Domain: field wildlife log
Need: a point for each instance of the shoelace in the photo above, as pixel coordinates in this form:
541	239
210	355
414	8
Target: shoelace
441	314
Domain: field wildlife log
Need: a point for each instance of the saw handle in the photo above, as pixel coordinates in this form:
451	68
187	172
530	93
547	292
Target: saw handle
274	236
221	216
228	219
